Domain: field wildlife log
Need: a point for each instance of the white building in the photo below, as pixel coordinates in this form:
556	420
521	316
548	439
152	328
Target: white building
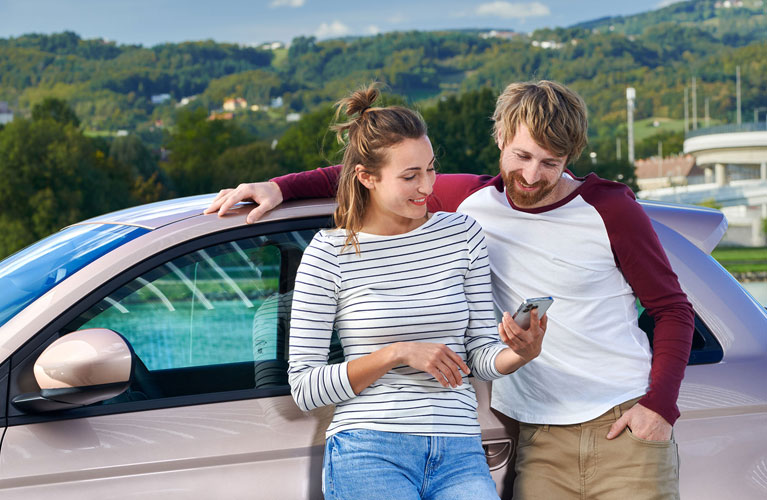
6	115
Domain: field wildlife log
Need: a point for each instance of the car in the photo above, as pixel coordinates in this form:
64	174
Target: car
143	353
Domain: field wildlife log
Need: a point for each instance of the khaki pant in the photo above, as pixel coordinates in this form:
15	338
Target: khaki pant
578	462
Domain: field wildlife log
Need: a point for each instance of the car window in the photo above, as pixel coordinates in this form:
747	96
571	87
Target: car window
705	347
28	274
212	320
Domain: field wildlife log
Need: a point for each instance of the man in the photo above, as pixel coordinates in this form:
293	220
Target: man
596	408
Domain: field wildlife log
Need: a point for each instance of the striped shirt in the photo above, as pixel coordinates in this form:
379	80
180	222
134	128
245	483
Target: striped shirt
431	284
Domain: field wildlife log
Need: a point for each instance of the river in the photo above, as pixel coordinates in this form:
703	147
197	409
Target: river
758	289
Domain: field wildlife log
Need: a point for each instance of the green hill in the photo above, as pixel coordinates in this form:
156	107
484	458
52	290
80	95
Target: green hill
111	87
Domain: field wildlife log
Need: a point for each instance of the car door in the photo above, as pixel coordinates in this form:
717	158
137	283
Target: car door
208	413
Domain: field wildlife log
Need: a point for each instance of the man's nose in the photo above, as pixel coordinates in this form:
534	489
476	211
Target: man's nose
531	174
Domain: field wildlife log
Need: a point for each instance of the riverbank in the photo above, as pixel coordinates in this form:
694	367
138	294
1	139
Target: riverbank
750	276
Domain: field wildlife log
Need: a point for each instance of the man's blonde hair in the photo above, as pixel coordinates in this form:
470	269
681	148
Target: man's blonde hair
554	115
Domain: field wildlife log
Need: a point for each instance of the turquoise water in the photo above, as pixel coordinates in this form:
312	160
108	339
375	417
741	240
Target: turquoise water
758	289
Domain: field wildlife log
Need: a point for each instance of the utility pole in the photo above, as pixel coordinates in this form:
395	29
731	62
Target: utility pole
660	158
737	90
618	148
694	106
630	96
707	117
686	113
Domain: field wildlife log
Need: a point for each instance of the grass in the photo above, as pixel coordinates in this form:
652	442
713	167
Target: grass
644	128
739	260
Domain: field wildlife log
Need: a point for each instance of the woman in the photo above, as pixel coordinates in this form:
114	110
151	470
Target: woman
409	294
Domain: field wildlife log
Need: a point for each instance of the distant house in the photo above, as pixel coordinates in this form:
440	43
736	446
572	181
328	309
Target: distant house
272	46
292	117
546	44
506	35
220	116
277	102
654	173
186	100
160	98
235	103
6	115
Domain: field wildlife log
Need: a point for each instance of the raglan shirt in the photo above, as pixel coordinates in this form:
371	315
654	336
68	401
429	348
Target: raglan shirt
431	284
595	251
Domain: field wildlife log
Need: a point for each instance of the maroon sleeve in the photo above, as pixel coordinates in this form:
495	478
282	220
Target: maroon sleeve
317	183
449	189
642	260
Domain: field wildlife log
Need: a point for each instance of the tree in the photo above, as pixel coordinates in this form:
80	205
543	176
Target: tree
252	162
460	129
309	143
194	147
51	175
55	109
614	170
149	182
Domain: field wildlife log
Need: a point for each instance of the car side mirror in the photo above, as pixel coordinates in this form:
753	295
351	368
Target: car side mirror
78	369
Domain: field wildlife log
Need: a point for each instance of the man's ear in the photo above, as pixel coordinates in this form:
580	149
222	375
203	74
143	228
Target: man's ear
365	178
499	139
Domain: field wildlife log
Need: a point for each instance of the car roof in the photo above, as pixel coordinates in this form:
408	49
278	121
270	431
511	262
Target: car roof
162	213
704	227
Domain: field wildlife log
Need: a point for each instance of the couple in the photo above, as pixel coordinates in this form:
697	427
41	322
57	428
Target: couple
596	406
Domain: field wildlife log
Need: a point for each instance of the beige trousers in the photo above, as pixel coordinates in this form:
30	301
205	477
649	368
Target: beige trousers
578	462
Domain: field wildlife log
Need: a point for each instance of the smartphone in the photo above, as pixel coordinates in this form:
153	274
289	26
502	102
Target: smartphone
522	316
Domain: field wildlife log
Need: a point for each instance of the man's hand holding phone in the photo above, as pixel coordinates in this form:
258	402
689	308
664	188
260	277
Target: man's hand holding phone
526	339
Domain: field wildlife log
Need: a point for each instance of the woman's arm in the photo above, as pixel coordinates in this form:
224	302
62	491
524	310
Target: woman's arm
488	357
313	382
436	359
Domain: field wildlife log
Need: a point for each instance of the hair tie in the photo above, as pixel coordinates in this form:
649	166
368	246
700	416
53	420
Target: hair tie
363	110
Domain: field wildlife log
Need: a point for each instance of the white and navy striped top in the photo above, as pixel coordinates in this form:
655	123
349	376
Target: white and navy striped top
431	284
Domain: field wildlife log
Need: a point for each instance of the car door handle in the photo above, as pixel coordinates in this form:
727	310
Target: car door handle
498	452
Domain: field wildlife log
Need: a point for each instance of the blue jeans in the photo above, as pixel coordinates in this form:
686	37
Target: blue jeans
363	464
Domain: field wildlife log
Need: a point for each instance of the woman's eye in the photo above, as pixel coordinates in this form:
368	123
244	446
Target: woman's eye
409	178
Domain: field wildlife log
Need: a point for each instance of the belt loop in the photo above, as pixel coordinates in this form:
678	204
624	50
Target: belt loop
617	411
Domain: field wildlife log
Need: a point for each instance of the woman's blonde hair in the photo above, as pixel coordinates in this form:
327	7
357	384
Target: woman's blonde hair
366	137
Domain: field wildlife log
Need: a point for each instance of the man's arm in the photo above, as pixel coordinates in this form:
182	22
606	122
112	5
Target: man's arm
449	191
643	262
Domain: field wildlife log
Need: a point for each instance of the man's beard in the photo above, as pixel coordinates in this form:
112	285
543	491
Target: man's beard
525	198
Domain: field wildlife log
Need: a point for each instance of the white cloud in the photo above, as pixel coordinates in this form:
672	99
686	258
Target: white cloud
397	18
373	29
508	10
334	29
286	3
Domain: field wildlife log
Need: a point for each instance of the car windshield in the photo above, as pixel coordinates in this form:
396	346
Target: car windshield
29	273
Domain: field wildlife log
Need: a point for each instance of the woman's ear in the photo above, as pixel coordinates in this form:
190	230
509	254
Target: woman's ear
365	178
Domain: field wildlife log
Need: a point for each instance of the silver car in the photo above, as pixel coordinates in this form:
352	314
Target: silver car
143	354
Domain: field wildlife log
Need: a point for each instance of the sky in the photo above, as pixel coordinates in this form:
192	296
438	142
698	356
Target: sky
252	22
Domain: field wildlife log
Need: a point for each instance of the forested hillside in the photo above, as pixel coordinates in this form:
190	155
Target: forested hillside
150	122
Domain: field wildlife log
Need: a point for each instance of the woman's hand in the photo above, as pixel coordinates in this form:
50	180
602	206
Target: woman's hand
436	359
525	343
